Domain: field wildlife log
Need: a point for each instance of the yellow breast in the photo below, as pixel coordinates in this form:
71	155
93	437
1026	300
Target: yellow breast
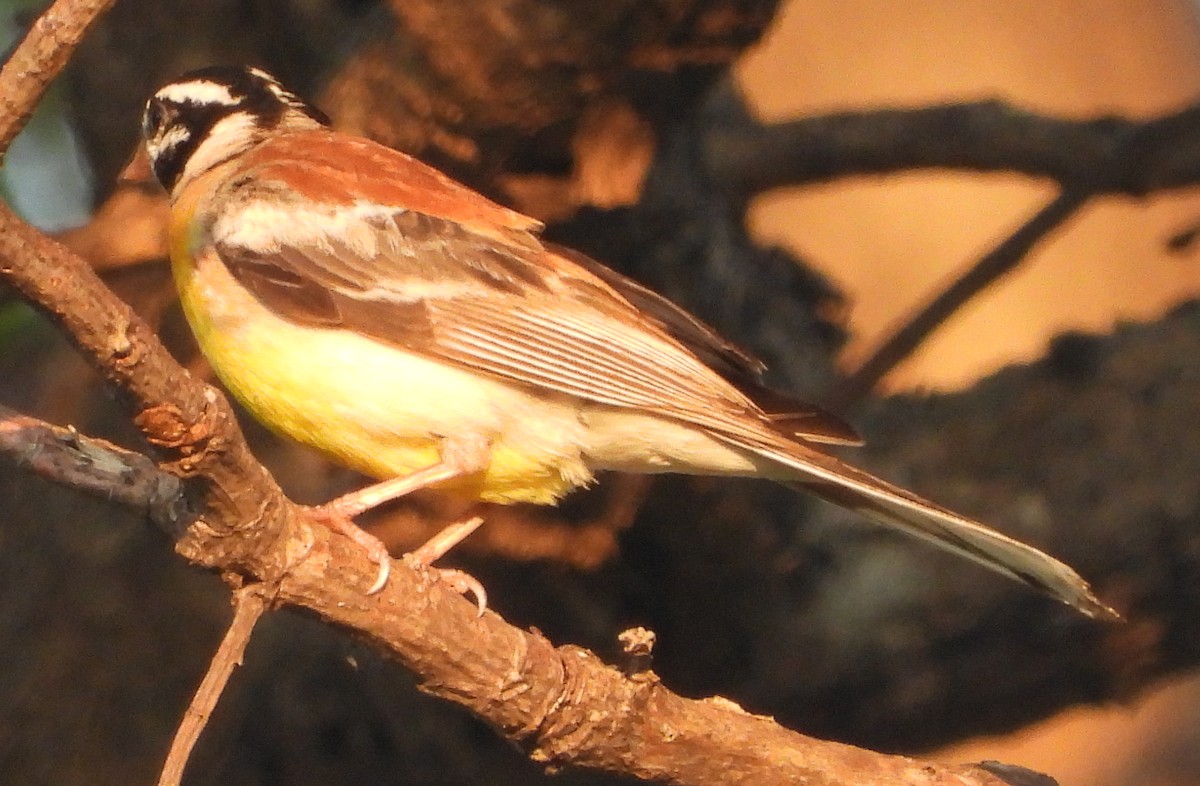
370	406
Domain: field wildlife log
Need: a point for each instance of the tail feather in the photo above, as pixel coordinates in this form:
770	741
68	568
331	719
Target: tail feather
844	485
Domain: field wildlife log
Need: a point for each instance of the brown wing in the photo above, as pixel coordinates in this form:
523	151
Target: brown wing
535	336
718	352
452	275
325	167
734	363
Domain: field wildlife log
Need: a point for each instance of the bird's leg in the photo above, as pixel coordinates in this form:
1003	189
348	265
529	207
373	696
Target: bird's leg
358	502
458	459
439	545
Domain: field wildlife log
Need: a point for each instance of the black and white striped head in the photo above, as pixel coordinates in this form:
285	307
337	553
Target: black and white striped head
210	115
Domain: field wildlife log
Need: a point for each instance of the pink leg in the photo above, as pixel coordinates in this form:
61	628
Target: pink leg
439	545
359	502
458	459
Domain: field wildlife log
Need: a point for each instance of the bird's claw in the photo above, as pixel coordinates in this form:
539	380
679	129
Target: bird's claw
376	551
385	570
460	581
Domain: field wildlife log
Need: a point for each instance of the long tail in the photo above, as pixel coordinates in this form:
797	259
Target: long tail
844	485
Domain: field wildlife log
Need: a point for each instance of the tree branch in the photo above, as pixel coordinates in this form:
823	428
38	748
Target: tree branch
249	604
1107	155
190	425
1000	261
94	466
40	56
562	704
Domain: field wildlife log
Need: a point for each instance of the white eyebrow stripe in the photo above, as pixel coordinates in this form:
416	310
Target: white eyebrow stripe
199	91
175	136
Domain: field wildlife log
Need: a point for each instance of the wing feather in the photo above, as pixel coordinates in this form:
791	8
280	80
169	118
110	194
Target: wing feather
443	272
580	353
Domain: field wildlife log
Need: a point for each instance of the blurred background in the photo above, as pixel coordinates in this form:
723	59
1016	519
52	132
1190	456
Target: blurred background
890	241
853	256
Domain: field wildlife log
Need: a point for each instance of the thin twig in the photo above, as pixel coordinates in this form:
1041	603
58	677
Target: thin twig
249	603
995	264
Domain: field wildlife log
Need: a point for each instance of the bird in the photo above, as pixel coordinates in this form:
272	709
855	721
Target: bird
364	303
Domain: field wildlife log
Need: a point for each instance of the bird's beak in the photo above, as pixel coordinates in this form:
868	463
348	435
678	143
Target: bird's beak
137	171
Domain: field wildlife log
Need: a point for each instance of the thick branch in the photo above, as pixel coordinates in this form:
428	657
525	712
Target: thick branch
561	704
565	707
1105	155
189	424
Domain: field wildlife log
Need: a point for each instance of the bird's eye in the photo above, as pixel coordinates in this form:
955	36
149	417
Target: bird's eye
156	117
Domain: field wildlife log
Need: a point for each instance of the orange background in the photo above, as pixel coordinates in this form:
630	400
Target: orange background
889	241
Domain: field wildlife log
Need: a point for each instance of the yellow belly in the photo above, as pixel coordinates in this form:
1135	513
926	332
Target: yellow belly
373	407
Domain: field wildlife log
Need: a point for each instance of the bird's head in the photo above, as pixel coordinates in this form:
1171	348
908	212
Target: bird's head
208	116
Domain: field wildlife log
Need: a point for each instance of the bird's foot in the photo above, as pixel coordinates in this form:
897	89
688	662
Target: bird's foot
436	547
334	519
